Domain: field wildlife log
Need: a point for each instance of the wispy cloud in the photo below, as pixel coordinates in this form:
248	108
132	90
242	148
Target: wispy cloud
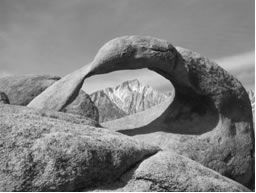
237	62
5	73
242	66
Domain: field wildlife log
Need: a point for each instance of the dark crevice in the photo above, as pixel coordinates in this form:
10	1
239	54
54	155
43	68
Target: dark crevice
228	157
154	182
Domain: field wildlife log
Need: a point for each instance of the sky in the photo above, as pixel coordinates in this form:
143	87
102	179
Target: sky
59	36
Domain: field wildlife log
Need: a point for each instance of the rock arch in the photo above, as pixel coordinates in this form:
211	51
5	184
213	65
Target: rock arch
202	88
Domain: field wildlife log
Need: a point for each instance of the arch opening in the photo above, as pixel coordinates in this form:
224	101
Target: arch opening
180	114
193	110
116	78
124	93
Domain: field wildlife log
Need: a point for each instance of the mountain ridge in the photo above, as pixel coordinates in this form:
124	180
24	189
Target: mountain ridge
129	97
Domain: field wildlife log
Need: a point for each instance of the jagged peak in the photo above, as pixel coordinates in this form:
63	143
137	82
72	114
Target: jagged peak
250	92
133	84
130	83
132	96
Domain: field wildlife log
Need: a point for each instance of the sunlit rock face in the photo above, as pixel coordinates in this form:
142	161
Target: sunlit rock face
44	150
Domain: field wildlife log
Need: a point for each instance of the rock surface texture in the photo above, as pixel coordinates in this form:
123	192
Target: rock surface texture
210	106
23	89
127	98
42	152
169	172
83	106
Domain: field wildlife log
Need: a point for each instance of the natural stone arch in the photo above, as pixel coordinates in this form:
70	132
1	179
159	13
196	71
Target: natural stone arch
201	87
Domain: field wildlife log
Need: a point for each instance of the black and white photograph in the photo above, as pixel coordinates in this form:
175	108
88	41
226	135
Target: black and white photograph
127	96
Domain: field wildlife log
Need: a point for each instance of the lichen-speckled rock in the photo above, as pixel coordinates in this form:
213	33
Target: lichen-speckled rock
209	102
3	98
50	153
24	88
170	172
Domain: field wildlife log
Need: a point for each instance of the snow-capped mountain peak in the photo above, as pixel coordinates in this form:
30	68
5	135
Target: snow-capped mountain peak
131	96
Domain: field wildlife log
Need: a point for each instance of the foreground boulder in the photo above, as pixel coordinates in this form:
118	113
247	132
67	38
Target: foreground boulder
44	153
24	88
209	103
3	98
170	172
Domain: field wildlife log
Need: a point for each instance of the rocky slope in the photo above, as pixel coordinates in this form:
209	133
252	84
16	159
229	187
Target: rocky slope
83	106
22	89
52	151
108	110
43	150
125	99
169	172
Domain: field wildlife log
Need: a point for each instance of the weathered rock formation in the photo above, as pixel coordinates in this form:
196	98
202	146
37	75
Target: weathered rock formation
23	89
30	113
53	151
209	103
125	99
56	152
83	106
170	172
3	98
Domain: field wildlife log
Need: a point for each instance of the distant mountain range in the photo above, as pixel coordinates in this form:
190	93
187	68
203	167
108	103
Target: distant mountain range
131	97
125	99
108	110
